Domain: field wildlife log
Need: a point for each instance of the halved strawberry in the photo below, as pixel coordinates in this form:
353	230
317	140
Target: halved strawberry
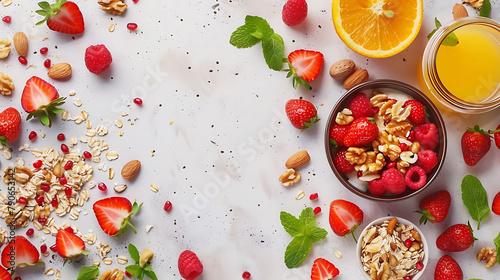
113	214
69	245
345	217
304	66
40	99
323	270
4	274
20	253
62	16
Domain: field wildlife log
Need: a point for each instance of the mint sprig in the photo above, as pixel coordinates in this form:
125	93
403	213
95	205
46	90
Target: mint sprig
475	199
450	40
497	245
304	233
255	30
88	273
137	270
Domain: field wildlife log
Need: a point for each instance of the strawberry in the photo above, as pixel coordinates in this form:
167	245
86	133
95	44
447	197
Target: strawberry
361	132
10	125
475	144
496	135
495	207
113	214
323	270
63	16
341	162
69	245
301	113
19	253
40	99
345	217
304	66
294	12
448	269
360	106
4	274
435	207
337	135
417	111
456	238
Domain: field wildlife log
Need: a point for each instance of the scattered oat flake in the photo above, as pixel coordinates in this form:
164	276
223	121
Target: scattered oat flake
72	93
32	14
77	102
45	38
124	114
338	254
42	134
25	148
299	195
120	133
111	28
148	228
119	123
6	3
154	188
112	155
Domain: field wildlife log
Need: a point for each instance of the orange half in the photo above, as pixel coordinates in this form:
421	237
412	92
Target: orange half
377	28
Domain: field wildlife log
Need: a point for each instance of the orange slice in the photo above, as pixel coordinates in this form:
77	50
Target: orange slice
377	28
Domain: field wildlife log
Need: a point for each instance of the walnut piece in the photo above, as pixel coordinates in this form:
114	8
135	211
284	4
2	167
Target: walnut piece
289	178
114	7
4	47
386	109
392	151
344	117
378	99
489	255
398	113
6	85
374	162
356	155
384	138
402	166
399	129
475	3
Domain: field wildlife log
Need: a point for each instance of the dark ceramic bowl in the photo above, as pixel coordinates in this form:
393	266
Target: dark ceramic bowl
360	188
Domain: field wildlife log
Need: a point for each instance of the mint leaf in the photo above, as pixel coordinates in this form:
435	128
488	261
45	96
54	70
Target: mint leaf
274	51
450	40
308	218
292	225
497	245
318	234
134	253
151	274
485	9
297	251
262	28
88	273
242	37
136	270
475	199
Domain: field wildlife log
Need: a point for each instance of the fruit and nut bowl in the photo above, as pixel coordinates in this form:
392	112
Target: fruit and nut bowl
385	140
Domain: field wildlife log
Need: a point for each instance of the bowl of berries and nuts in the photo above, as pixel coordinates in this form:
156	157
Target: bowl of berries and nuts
385	140
392	248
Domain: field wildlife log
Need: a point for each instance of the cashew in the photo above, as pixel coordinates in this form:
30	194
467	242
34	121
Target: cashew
145	257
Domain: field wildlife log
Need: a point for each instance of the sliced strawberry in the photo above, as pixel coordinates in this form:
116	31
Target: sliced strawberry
345	217
69	245
113	214
323	270
4	274
62	16
19	253
10	125
304	66
40	99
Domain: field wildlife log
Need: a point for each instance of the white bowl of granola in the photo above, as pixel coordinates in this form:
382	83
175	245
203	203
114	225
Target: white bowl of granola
392	246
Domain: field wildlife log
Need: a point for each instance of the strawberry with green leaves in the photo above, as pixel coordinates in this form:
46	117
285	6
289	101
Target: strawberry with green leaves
456	238
304	67
361	131
41	99
475	144
63	16
323	270
25	253
301	113
10	125
435	207
69	245
113	214
345	217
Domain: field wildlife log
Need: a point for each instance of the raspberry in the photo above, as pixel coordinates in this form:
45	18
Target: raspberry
415	177
337	135
377	187
341	162
427	160
427	135
417	113
394	181
294	12
360	106
190	266
97	59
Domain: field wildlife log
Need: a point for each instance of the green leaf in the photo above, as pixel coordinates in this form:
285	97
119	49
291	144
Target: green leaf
44	118
292	225
242	37
450	40
135	208
134	253
318	234
44	5
497	245
136	270
151	274
475	199
88	273
261	26
297	251
485	9
273	48
307	218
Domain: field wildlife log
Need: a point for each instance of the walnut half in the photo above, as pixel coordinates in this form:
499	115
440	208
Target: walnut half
4	47
114	7
6	85
489	255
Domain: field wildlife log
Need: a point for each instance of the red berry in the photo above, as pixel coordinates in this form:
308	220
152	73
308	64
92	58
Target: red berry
138	101
435	206
189	265
22	200
496	136
391	165
403	146
417	112
337	135
54	202
37	164
475	144
45	187
411	137
70	230
456	238
126	272
68	191
448	269
42	220
63	180
317	210
427	135
6	19
407	278
294	12
394	181
53	248
97	59
415	177
362	131
341	163
301	113
360	106
377	187
61	137
168	206
135	1
47	63
420	265
64	148
408	243
32	136
427	160
30	232
313	196
68	165
44	50
101	186
23	60
246	275
43	248
359	174
495	207
39	199
87	154
132	26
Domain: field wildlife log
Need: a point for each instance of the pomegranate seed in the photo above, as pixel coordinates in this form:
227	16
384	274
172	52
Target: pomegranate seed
68	165
317	210
63	180
420	265
61	137
87	154
408	243
359	174
68	191
391	165
135	1
403	146
246	275
47	63
22	200
101	186
138	101
411	137
42	220
37	164
54	202
32	136
44	50
132	26
45	187
126	272
70	230
43	248
168	206
313	196
39	199
30	232
64	148
407	278
23	60
53	248
18	278
6	19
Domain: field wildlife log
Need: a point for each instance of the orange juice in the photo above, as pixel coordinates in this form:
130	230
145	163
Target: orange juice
470	70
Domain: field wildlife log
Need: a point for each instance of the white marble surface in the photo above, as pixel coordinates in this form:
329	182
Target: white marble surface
219	161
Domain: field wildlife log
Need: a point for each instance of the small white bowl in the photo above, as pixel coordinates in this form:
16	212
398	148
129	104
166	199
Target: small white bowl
380	221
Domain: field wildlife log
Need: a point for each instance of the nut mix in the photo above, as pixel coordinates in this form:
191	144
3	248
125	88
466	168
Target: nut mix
391	250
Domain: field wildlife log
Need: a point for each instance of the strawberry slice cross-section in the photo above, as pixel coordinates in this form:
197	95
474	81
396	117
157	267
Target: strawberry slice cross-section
41	99
323	270
113	214
69	245
63	16
304	66
20	253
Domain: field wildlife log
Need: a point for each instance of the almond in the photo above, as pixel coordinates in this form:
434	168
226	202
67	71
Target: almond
59	71
342	69
130	169
21	43
297	160
459	11
358	77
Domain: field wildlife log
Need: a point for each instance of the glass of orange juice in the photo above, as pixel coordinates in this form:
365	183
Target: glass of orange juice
461	65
